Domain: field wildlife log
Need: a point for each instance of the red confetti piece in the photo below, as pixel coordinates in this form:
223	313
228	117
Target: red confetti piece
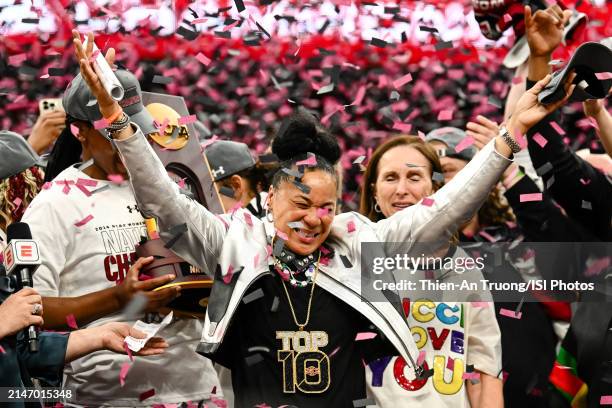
146	394
464	144
510	313
100	124
84	221
115	178
398	83
421	358
427	202
504	376
74	129
540	140
2	351
602	76
350	226
557	128
450	364
507	18
530	197
365	336
47	185
185	120
471	376
445	115
125	367
402	127
227	278
71	321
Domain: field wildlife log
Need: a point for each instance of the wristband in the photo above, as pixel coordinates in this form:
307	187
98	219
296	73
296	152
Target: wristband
510	142
114	116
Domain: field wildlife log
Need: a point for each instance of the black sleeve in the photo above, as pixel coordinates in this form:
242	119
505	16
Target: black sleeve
543	221
582	190
48	363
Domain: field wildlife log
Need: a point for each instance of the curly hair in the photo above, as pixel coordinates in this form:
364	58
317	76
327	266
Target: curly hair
16	193
495	210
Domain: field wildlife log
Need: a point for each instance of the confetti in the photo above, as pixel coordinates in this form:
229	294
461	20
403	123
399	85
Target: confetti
254	359
450	363
545	168
421	358
161	80
557	128
146	394
596	267
326	89
47	185
310	161
377	42
540	140
350	227
185	120
586	205
471	376
427	202
345	261
442	45
227	278
176	233
359	160
71	321
74	129
84	221
464	144
402	127
275	304
398	83
365	336
530	197
279	245
445	115
302	187
101	124
360	95
17	202
363	402
510	313
2	351
101	189
602	76
125	367
605	400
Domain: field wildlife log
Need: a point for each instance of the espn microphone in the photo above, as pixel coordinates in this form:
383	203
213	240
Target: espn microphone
21	258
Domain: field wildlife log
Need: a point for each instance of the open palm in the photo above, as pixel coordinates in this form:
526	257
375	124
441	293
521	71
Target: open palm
544	29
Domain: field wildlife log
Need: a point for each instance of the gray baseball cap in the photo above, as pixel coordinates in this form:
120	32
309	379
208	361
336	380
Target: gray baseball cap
451	137
80	103
227	158
17	154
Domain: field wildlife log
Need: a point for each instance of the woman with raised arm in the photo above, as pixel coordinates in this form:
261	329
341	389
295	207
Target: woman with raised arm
287	294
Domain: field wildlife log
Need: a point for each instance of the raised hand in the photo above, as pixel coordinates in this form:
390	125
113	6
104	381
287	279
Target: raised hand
47	128
483	130
529	110
131	286
544	29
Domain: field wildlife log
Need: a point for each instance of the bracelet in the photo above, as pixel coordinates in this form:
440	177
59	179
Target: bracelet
510	142
118	125
114	116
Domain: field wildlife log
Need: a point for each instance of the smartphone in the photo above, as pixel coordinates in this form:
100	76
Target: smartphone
50	104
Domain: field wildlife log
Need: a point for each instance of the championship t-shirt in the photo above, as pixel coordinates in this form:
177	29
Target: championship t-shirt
87	241
274	363
453	335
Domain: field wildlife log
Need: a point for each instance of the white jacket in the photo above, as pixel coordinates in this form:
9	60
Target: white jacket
216	242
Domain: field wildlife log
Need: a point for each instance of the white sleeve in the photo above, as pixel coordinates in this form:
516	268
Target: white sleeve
52	239
483	339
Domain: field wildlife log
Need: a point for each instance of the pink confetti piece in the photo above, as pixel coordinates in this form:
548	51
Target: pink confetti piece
185	120
181	183
146	394
66	183
125	367
360	95
44	76
17	202
248	219
350	226
82	185
324	250
464	144
602	76
282	235
310	161
421	135
517	80
199	20
219	402
335	351
398	83
507	18
421	358
505	376
269	250
605	400
115	178
450	364
227	278
74	129
557	128
597	266
510	313
2	351
402	127
84	221
471	376
487	236
16	60
101	124
47	185
445	115
256	260
479	304
540	140
585	182
521	140
365	336
427	202
71	321
530	197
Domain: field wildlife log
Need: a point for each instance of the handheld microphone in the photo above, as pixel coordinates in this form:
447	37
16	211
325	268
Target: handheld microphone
21	258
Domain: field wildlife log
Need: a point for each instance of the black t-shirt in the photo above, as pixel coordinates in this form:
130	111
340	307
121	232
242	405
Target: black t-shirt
263	366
